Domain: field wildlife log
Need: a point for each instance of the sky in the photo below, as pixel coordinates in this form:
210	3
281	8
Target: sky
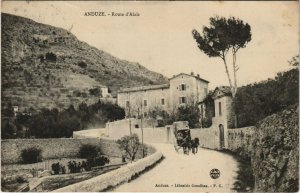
160	37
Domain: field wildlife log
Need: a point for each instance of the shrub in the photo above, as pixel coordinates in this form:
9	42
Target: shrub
95	92
101	160
189	113
74	166
8	128
163	117
82	64
86	166
42	58
97	161
58	168
51	57
63	169
88	151
21	179
31	155
130	145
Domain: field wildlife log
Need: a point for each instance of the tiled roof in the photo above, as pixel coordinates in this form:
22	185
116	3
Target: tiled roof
197	77
226	90
144	88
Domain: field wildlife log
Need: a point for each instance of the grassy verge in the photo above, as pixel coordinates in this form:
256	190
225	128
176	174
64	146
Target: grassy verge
245	179
59	181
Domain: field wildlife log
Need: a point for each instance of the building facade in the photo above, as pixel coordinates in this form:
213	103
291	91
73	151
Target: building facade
223	117
182	89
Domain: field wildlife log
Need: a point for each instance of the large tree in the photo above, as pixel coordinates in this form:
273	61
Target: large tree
220	37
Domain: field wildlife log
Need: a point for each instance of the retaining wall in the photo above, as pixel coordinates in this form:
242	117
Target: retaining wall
113	178
118	129
51	148
208	137
275	159
59	148
240	140
91	133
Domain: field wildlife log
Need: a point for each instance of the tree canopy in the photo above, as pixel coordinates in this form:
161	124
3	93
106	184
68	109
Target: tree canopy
267	97
51	123
221	36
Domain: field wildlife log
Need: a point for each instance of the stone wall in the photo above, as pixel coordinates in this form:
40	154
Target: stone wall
273	147
275	161
118	129
59	148
240	140
91	133
208	137
51	148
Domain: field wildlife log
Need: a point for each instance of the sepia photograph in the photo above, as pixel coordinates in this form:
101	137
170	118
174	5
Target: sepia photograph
150	96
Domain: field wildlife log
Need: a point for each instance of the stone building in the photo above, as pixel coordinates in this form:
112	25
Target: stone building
104	92
182	89
223	118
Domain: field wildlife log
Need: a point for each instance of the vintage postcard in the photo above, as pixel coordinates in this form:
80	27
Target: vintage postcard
158	96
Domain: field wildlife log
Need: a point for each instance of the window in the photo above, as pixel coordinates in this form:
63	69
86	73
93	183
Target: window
127	103
145	114
145	103
136	126
162	101
220	109
182	100
182	87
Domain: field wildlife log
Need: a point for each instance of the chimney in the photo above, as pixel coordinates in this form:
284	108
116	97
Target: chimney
198	75
192	73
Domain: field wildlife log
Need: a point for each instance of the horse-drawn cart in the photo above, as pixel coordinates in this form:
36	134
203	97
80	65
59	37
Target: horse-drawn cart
181	133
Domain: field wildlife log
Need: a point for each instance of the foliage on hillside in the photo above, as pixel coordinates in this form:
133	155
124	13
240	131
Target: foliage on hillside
55	124
189	112
257	101
45	66
209	110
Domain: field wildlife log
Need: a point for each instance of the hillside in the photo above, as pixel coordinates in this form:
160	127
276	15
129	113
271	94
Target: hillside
267	97
46	66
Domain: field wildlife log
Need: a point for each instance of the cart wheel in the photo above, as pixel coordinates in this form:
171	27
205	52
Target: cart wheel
175	148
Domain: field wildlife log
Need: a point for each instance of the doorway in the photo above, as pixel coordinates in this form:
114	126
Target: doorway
222	140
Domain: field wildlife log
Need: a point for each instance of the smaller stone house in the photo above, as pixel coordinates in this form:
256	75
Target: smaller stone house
104	92
222	101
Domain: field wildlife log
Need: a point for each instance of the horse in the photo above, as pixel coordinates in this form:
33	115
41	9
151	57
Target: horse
195	144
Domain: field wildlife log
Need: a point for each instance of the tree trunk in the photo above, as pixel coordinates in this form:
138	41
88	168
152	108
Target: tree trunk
228	76
234	73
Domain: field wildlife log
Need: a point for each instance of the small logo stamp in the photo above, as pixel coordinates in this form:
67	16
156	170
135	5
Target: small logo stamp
215	173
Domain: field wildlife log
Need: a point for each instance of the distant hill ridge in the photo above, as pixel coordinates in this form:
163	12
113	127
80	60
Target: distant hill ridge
46	66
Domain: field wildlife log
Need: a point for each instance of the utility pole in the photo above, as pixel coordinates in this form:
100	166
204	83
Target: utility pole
142	129
129	115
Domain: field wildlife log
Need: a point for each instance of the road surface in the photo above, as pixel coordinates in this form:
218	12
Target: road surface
185	173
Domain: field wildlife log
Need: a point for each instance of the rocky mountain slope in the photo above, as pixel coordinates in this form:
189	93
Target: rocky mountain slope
46	66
